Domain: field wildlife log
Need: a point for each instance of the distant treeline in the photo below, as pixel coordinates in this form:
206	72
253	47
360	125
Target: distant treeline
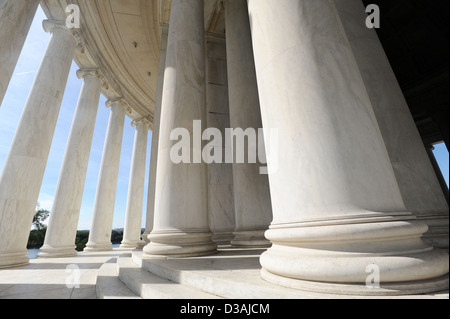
36	239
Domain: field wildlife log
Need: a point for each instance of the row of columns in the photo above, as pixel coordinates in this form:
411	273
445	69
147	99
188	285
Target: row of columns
24	167
23	171
336	203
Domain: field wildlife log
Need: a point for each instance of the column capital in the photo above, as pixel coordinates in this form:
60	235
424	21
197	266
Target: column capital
51	26
119	102
95	72
144	121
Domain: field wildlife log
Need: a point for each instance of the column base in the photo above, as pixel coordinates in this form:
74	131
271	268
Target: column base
98	247
223	238
180	244
359	256
251	238
144	237
438	229
10	260
129	244
141	244
144	240
385	289
57	252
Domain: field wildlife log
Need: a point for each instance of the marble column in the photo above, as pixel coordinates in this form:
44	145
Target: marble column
133	214
15	21
253	208
155	137
220	174
181	214
339	218
103	214
63	222
416	178
23	171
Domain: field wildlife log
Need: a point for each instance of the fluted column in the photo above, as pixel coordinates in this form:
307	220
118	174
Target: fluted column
103	214
63	222
155	137
416	178
253	209
15	21
24	167
181	214
133	215
338	211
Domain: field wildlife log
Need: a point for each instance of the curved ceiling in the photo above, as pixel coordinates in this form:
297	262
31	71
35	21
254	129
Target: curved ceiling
122	38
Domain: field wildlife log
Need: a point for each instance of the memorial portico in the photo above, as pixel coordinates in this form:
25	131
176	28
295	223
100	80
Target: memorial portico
353	188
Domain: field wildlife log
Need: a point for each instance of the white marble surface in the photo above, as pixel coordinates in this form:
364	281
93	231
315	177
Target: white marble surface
220	175
415	175
103	214
15	21
253	209
234	273
63	221
336	203
155	137
23	171
181	224
55	278
135	199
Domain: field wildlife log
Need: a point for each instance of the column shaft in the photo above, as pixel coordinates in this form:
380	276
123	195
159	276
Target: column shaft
155	136
418	183
253	209
220	175
133	215
336	204
24	167
63	222
103	214
181	214
15	21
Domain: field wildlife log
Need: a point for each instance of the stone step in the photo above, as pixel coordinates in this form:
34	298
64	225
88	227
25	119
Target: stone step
234	274
150	286
109	286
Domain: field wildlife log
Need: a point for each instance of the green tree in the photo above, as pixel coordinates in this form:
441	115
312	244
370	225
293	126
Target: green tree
39	217
116	236
81	240
37	233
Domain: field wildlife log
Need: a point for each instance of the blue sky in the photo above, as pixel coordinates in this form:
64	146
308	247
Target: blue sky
11	110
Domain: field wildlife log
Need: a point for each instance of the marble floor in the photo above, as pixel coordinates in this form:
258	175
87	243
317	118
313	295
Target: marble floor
76	277
55	278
